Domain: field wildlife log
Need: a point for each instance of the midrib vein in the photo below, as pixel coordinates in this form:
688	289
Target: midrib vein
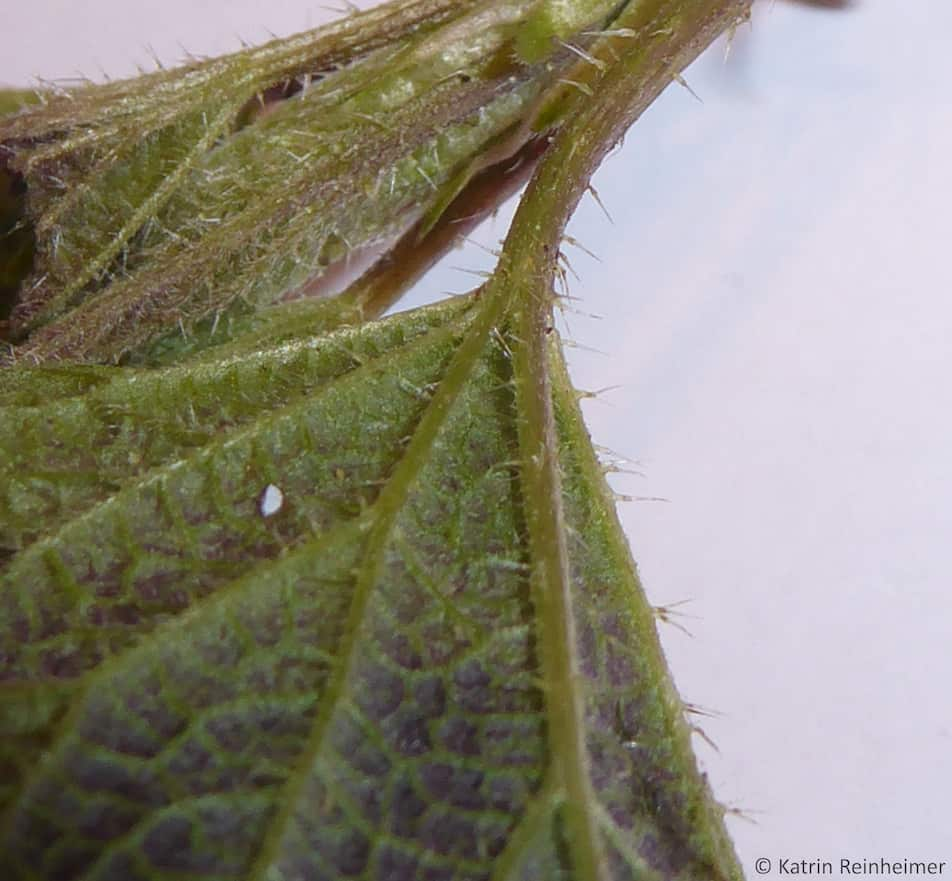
385	511
526	269
551	580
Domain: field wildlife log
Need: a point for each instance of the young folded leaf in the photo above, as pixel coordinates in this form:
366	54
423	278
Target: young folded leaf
226	185
378	288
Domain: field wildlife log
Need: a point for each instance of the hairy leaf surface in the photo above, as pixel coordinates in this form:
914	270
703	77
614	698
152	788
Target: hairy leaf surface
216	189
352	686
77	448
336	599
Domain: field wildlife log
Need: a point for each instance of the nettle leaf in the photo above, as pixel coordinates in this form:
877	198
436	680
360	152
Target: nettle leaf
350	687
349	599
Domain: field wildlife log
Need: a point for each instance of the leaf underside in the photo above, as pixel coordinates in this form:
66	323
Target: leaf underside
351	686
298	595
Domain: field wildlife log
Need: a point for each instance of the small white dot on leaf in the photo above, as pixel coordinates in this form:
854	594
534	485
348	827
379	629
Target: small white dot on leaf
270	501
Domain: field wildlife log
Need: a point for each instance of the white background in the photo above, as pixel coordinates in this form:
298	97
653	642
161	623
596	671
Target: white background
774	294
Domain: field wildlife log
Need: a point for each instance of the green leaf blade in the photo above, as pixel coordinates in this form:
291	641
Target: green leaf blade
438	682
200	724
75	452
369	697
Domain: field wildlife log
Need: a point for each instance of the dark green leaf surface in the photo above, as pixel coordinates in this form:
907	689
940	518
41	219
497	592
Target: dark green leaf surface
352	687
